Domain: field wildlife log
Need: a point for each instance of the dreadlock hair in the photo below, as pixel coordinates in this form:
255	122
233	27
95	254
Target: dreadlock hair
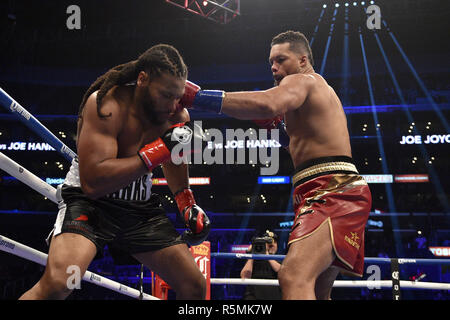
156	60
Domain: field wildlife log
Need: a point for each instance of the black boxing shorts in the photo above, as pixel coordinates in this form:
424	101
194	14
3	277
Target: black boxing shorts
126	226
330	191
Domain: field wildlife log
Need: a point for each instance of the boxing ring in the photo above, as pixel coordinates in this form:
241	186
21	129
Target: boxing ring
13	247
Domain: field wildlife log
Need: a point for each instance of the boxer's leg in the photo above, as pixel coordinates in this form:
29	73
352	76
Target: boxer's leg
304	262
176	266
67	249
324	283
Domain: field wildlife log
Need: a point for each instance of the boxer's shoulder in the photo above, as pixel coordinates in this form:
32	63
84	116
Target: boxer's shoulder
111	112
299	79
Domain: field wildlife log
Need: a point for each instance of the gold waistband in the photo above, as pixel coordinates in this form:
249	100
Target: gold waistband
323	167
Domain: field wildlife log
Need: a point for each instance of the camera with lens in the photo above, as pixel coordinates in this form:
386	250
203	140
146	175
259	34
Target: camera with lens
259	244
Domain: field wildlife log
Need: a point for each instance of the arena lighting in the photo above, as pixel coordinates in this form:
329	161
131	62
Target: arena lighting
389	193
345	62
432	172
327	47
430	99
220	11
317	25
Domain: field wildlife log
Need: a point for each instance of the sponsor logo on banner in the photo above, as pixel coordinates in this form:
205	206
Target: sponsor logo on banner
123	288
95	277
378	178
195	181
239	248
202	265
201	249
20	110
429	139
202	256
274	180
7	244
402	261
26	146
440	251
411	178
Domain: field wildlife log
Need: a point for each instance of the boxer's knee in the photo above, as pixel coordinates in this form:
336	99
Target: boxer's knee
295	284
193	288
51	286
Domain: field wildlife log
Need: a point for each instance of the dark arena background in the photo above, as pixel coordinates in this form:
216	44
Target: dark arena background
391	71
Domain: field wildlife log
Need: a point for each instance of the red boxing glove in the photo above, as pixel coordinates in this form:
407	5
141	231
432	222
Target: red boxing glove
154	153
202	100
193	217
159	151
190	91
269	123
275	123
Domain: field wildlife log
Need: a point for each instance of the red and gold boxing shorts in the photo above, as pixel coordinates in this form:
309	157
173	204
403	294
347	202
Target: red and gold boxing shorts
330	190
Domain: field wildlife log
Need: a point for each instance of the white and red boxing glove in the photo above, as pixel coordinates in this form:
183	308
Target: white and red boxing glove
194	218
159	151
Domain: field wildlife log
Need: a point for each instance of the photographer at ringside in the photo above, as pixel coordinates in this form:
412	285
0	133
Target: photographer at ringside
262	269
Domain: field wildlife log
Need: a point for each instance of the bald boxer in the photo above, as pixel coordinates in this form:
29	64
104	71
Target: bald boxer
128	124
331	200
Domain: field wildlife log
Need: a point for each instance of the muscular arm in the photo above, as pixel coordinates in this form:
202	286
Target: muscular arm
177	175
289	95
101	172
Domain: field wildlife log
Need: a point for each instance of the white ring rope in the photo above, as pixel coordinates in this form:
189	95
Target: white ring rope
31	180
371	284
34	255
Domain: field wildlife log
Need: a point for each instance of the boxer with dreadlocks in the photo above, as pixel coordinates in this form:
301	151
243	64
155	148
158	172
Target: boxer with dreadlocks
127	126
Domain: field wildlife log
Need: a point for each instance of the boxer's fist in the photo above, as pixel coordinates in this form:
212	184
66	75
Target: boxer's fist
275	123
203	100
194	218
269	123
190	91
159	151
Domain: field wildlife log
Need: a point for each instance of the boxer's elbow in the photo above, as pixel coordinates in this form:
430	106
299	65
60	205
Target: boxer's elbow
90	190
268	110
